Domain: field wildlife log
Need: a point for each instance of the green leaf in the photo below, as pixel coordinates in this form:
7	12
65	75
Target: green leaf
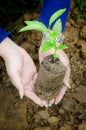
61	47
56	15
46	46
57	28
34	25
27	22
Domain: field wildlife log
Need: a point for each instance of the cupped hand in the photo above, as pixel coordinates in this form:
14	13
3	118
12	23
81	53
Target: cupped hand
21	70
64	59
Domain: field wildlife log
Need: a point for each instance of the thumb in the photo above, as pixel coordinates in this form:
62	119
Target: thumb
67	84
21	93
17	82
35	78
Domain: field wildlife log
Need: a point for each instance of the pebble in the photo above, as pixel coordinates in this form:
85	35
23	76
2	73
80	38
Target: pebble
83	32
66	127
82	126
80	94
42	128
37	117
43	114
61	111
53	120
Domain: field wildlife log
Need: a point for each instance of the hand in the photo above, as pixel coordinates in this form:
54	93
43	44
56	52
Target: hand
64	59
21	70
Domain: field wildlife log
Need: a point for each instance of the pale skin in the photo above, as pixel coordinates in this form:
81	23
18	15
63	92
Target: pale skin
22	71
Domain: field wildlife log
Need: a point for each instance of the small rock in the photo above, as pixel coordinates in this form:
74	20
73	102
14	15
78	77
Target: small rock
83	49
83	32
82	126
71	36
80	22
61	111
25	45
66	127
53	120
44	114
68	104
43	128
80	94
72	22
37	117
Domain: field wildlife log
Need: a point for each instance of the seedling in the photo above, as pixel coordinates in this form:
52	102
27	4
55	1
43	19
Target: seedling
52	36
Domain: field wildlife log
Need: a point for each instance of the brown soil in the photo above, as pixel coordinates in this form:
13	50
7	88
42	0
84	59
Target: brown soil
70	113
50	78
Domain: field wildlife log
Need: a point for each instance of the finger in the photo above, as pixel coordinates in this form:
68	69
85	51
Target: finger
29	77
33	97
67	84
60	96
45	103
34	78
43	55
66	78
16	81
51	102
26	78
31	82
63	57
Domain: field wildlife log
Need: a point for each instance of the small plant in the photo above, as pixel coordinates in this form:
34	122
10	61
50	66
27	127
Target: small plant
52	36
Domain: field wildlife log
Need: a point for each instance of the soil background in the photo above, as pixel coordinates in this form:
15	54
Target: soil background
70	113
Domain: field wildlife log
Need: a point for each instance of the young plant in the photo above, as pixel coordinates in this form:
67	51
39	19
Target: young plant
52	36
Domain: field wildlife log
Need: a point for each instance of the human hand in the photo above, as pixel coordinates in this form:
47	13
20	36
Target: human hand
21	70
64	59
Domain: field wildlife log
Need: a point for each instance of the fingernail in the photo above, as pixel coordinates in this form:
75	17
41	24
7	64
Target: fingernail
46	105
68	85
56	103
41	105
50	105
21	95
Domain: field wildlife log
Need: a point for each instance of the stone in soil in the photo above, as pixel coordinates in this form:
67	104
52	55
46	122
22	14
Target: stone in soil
66	127
53	120
42	128
80	94
43	114
82	126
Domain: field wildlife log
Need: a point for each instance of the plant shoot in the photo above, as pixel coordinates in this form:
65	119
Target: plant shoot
53	35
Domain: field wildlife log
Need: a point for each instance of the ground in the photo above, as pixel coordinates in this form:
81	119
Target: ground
70	113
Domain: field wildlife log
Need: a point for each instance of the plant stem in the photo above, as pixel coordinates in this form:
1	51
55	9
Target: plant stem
55	52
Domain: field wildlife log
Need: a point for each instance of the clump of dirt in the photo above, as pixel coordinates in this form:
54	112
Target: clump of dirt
50	77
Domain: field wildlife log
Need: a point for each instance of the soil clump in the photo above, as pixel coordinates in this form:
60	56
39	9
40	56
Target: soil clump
50	77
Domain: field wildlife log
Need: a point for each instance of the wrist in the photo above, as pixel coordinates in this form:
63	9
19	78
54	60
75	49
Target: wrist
51	6
5	47
4	34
